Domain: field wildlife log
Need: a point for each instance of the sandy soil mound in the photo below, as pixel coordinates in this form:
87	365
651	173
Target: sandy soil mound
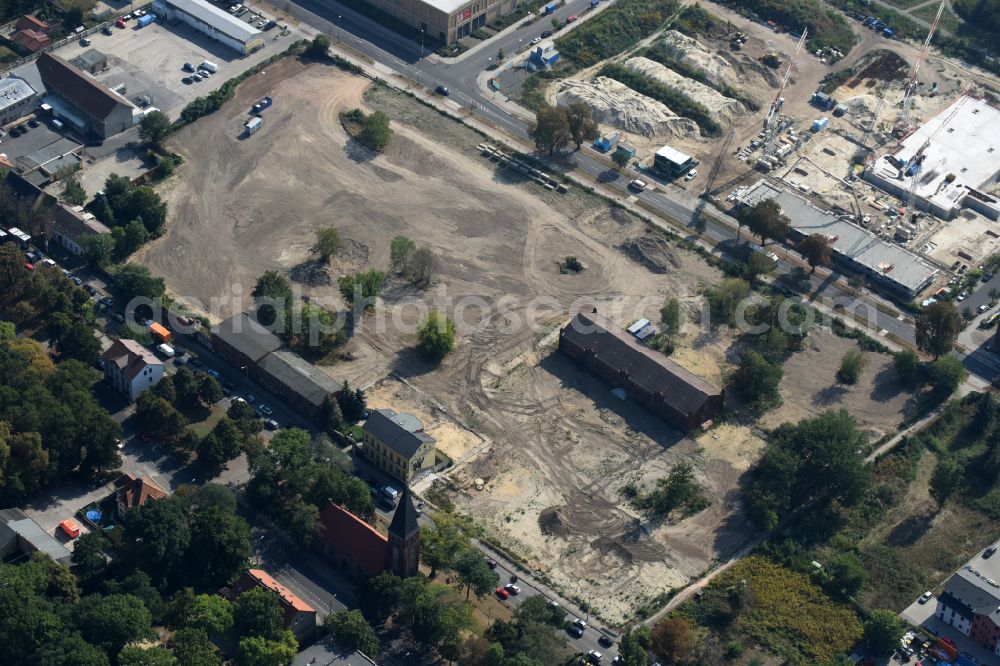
619	106
653	252
690	52
722	109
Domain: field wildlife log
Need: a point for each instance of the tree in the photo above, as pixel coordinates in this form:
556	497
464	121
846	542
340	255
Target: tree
133	655
671	317
500	55
678	490
377	132
244	418
380	596
815	249
192	647
319	47
946	479
946	374
908	367
89	560
72	18
633	647
551	129
724	298
352	403
212	613
261	651
846	574
73	191
327	244
441	542
937	328
765	219
421	266
136	281
153	128
362	288
113	621
756	380
436	337
851	366
672	640
399	253
882	630
273	298
351	631
74	651
97	248
808	465
474	572
620	158
435	614
80	343
257	612
757	264
582	126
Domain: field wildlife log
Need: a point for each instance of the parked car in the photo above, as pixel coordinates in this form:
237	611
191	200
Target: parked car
925	597
546	33
984	307
691	174
491	563
442	90
513	589
120	23
594	657
187	80
502	593
605	642
118	317
196	77
188	67
575	631
535	41
106	30
264	409
989	552
580	623
571	18
271	424
85	41
638	185
70	527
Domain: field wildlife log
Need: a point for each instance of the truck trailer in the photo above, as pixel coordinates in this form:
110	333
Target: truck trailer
252	125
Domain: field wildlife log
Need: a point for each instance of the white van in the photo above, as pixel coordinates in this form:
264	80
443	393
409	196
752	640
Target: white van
58	124
210	66
165	349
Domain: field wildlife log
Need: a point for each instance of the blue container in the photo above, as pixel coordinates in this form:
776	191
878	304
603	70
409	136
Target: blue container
888	32
145	20
551	7
820	124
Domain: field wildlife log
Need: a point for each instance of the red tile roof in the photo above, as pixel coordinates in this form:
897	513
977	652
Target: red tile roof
28	22
355	539
32	40
81	89
138	491
260	578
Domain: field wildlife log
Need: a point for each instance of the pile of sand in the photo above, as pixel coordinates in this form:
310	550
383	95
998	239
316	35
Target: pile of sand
722	109
619	106
690	52
653	252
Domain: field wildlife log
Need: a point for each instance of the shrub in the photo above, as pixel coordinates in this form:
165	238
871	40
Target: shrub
615	29
678	102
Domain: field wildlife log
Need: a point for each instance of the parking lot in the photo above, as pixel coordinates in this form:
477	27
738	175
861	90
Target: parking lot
36	138
149	61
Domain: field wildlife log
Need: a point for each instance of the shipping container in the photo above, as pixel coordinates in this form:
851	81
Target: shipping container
146	20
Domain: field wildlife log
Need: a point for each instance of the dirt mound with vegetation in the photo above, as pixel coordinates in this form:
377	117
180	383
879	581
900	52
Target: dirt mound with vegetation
722	109
618	106
689	51
653	252
551	522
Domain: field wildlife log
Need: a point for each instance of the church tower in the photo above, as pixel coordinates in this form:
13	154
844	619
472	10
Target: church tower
404	538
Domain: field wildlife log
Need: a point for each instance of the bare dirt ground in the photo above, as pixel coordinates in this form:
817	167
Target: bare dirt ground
878	401
555	445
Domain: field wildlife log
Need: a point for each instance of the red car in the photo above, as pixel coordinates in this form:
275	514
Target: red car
571	18
502	593
120	23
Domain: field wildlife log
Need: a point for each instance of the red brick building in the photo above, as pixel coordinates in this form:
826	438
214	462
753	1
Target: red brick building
299	617
361	550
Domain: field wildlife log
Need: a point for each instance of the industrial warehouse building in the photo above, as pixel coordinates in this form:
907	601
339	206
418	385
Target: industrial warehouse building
892	266
650	378
960	161
83	102
446	20
17	99
217	23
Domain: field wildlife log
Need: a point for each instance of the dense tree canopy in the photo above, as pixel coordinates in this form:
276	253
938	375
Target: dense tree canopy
937	328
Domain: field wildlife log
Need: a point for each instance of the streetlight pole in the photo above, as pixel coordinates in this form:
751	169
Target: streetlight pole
339	17
421	43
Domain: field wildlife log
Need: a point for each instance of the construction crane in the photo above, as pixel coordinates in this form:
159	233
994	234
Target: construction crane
910	87
771	122
913	165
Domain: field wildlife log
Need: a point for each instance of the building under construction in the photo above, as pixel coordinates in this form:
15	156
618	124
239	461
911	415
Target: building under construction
950	162
884	263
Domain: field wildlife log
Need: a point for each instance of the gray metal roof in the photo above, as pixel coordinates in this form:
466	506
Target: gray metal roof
891	262
299	376
325	652
244	334
403	433
219	19
13	90
40	540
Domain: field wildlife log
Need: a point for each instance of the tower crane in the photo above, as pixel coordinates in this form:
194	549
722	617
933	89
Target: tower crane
771	122
910	87
913	165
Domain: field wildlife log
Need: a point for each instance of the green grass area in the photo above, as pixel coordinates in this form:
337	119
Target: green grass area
949	21
205	425
613	31
673	98
903	4
760	601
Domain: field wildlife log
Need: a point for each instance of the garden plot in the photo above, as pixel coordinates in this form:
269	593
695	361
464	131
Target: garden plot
618	106
722	109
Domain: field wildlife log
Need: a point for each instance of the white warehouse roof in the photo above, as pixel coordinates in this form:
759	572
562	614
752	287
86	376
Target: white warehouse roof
673	155
13	90
221	20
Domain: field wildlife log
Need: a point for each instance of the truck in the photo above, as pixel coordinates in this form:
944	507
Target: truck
164	348
146	19
263	103
210	66
390	495
252	125
888	33
549	8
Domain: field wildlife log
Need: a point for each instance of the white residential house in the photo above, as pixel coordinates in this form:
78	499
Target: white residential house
131	368
70	226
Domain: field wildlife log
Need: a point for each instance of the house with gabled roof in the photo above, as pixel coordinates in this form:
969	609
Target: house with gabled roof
131	368
397	444
133	491
297	616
